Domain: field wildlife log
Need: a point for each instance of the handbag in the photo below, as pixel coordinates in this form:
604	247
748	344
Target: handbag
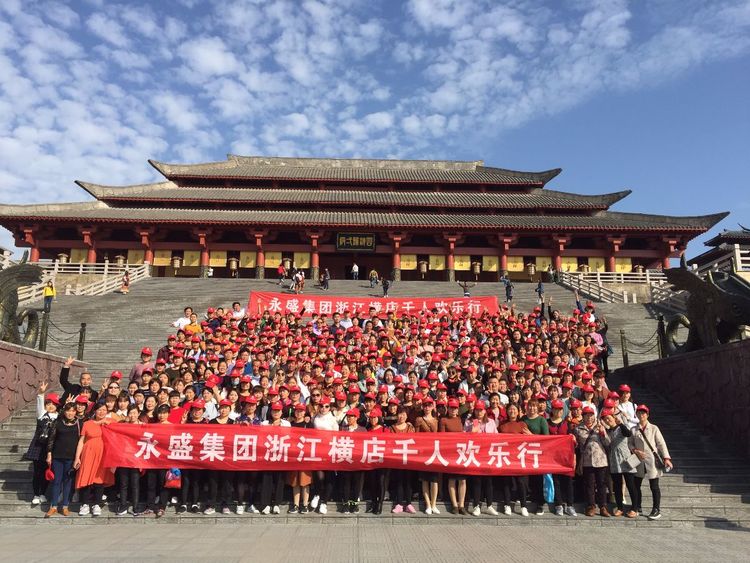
631	462
549	488
658	460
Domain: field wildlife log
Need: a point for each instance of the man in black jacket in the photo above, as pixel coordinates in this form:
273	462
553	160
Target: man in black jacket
73	389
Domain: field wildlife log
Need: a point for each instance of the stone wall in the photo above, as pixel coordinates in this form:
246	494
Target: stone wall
712	385
22	370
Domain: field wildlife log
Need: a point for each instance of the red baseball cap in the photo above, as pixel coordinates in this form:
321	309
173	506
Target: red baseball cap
53	398
557	404
198	404
225	403
146	351
588	410
353	412
115	375
643	408
453	403
277	406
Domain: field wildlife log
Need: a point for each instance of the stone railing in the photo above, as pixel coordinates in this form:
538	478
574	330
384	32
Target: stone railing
593	290
21	372
712	385
645	277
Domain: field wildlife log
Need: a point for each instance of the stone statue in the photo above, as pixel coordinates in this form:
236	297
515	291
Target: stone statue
11	279
717	309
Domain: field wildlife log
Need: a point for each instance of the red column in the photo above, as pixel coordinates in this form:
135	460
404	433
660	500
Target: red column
91	255
30	238
205	257
34	254
616	243
397	252
611	263
665	263
148	256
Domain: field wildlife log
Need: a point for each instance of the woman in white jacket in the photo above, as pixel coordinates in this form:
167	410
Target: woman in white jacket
648	444
324	480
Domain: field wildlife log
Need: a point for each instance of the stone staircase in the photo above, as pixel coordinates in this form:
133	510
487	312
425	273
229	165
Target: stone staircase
709	487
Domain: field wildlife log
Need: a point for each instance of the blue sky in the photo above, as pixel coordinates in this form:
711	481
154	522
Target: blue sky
651	96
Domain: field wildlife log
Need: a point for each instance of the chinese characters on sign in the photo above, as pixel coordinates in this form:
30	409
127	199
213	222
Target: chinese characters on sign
252	448
355	242
284	303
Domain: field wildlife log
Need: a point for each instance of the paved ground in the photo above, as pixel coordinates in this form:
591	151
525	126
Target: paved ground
371	543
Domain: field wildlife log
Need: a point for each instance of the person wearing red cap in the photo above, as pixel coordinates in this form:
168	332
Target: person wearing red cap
91	476
217	478
520	482
350	479
145	363
537	424
456	482
622	462
593	440
61	453
482	485
324	480
427	422
46	414
400	479
559	426
627	407
649	445
272	482
300	481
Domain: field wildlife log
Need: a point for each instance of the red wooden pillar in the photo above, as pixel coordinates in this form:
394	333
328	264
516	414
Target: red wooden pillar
148	253
34	254
205	260
451	259
616	243
260	257
314	255
559	246
29	236
396	256
88	240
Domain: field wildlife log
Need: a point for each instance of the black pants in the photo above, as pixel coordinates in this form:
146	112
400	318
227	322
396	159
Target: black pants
38	480
155	479
272	488
482	487
520	484
595	485
401	490
376	484
563	490
617	479
221	485
655	493
92	494
192	481
536	488
324	482
128	481
246	487
349	484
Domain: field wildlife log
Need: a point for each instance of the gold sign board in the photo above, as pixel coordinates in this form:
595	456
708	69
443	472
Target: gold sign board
355	242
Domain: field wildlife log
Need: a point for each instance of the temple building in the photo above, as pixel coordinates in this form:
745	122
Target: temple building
436	220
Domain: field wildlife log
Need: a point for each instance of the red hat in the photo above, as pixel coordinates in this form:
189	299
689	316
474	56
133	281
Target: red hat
277	406
383	389
246	379
211	310
273	391
613	395
49	474
587	389
375	412
624	388
393	401
574	404
354	389
586	376
608	412
198	404
557	404
81	400
146	351
53	398
115	375
567	385
428	399
210	384
300	407
608	403
353	412
643	408
147	370
163	362
340	396
588	410
325	400
171	337
250	399
453	403
225	403
370	396
479	406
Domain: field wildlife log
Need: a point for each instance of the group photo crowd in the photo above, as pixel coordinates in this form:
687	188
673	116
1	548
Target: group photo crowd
541	372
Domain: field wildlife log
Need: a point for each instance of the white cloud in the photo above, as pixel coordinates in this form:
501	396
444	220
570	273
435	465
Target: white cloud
108	29
178	110
209	56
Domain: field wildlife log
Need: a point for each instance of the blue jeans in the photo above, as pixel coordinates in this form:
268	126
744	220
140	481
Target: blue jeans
62	483
47	304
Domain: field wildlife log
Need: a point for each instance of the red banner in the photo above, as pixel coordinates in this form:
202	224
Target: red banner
263	448
325	304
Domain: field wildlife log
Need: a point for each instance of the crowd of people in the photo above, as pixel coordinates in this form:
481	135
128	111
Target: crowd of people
542	372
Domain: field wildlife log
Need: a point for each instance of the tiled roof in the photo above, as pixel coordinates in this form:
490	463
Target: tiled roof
342	170
730	237
94	212
536	198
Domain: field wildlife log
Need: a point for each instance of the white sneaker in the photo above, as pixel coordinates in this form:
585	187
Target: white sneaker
43	499
276	509
210	510
491	511
570	511
428	511
477	511
253	510
524	512
323	509
435	510
96	510
266	510
225	510
35	501
104	498
314	502
240	509
84	510
507	510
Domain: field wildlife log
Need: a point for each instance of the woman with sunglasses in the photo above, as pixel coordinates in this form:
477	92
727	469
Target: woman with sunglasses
324	480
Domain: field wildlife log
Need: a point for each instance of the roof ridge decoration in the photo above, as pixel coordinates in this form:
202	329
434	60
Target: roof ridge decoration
375	163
